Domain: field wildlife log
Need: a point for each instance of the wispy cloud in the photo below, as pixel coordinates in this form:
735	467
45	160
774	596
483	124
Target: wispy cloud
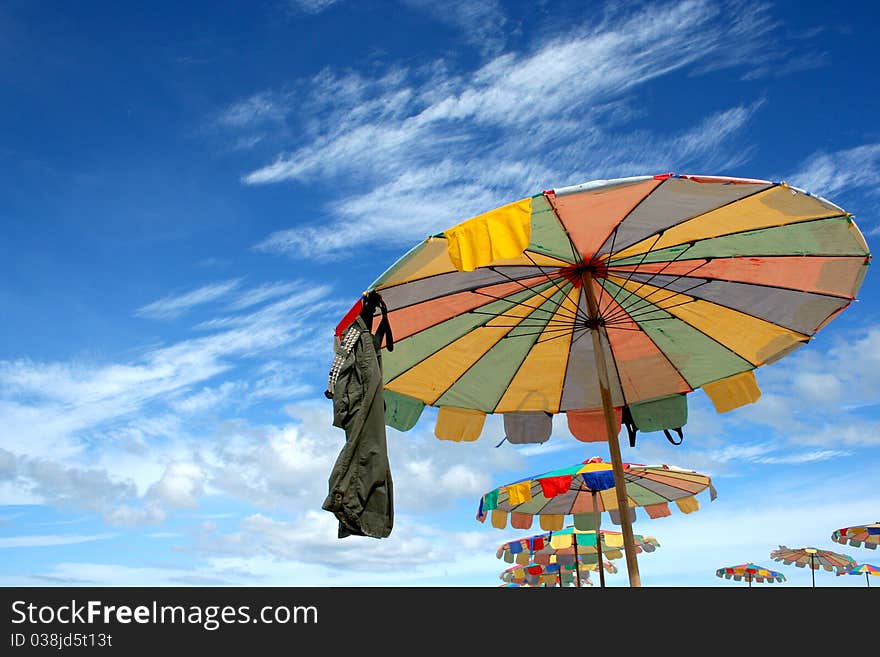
121	438
48	540
828	174
804	457
482	24
417	149
170	307
312	6
262	293
254	111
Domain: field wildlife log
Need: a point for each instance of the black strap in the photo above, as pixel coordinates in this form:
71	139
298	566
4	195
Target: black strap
669	436
632	429
629	423
384	330
372	300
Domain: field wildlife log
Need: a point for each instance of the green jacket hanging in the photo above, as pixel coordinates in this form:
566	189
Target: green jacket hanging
360	485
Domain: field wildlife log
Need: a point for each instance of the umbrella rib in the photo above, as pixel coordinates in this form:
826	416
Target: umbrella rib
610	251
451	272
519	366
654	275
737	310
540	341
646	310
621	327
665	355
664	288
526	254
563	332
836	215
535	326
525	287
566	327
635	269
468	368
581	333
520	303
700	214
620	271
549	319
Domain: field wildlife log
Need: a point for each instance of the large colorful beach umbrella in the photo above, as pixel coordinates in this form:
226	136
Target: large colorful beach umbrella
611	296
751	573
865	569
858	536
572	545
813	558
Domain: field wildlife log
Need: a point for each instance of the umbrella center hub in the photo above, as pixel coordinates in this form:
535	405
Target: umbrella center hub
577	273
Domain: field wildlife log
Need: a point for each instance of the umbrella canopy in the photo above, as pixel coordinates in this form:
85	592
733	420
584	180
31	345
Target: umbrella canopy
813	558
751	573
552	574
680	281
865	569
541	547
584	489
587	489
858	536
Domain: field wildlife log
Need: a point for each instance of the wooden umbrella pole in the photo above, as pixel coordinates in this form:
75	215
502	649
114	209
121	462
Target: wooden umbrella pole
813	569
632	565
577	566
599	541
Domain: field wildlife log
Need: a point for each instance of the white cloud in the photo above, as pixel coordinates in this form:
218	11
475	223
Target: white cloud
58	401
805	457
264	293
126	515
47	540
312	6
63	485
170	307
258	109
420	149
829	174
181	485
480	23
208	397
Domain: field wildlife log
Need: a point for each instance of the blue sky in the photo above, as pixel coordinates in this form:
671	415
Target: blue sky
194	193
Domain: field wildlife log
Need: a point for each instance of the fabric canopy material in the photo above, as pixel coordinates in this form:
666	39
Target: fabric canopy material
561	544
751	573
858	536
813	558
865	569
586	488
552	574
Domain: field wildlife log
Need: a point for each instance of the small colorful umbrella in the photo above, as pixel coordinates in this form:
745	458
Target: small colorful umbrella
750	572
586	489
858	536
814	558
551	574
866	569
572	545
